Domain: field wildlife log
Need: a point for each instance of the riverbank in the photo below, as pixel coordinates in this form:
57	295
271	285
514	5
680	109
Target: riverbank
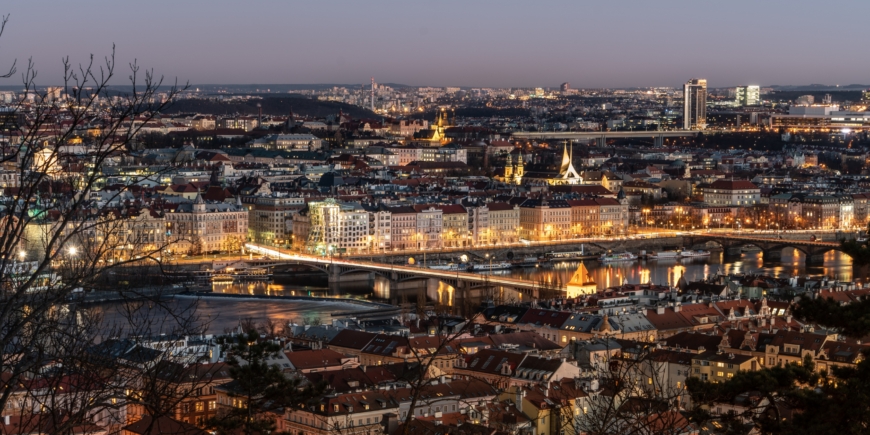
203	295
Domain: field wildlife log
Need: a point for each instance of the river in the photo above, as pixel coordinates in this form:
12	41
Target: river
221	313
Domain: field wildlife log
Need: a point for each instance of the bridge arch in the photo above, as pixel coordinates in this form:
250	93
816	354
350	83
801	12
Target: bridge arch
360	270
313	267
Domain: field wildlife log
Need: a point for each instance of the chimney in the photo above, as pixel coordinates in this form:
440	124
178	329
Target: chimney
390	422
660	309
519	399
6	420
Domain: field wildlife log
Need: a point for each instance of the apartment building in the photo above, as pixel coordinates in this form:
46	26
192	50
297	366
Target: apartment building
455	225
430	225
201	227
504	223
731	192
542	219
403	227
268	216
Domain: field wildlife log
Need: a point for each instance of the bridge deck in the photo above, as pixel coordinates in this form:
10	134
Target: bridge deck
818	243
389	269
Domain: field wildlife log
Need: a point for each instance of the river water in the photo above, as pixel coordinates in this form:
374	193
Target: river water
222	313
836	265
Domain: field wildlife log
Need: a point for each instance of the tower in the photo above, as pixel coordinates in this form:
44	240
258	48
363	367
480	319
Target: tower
518	173
695	104
373	94
508	169
567	171
198	204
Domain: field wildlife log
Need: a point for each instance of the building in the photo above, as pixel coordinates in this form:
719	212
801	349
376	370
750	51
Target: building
201	227
721	367
403	227
695	104
585	220
731	193
430	223
827	117
246	123
818	211
612	215
566	175
267	219
504	223
455	225
542	219
291	142
478	225
581	283
748	95
513	174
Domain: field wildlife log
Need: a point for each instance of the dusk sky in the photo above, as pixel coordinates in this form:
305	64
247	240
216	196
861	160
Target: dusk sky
453	43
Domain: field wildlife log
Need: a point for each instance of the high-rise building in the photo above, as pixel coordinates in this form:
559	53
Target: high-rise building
695	104
748	95
565	87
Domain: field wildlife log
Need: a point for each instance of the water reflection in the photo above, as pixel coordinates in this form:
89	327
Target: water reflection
668	271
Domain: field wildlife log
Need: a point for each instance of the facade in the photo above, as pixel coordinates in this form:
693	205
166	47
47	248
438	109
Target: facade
748	95
821	211
403	227
455	225
541	219
380	223
585	220
479	231
612	215
430	224
268	216
307	142
504	223
246	123
201	227
731	193
695	104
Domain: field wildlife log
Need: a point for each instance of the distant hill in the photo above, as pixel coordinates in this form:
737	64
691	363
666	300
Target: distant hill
477	112
820	87
279	106
836	96
282	88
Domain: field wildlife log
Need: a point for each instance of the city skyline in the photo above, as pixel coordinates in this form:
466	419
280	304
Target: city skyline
479	45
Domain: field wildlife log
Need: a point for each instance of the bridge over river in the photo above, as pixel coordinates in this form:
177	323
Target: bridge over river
771	246
439	285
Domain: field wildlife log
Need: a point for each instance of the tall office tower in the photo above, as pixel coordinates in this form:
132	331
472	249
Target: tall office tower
748	95
565	87
695	104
